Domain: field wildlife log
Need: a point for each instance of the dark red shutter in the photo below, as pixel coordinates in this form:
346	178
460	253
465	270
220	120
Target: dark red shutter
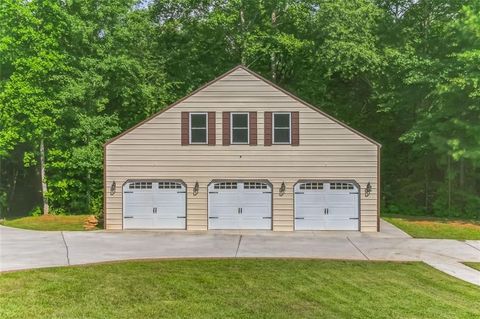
184	128
295	129
268	129
211	129
226	128
253	127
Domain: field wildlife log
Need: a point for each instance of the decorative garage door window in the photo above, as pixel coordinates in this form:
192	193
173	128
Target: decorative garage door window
169	185
312	185
341	186
225	185
255	185
140	185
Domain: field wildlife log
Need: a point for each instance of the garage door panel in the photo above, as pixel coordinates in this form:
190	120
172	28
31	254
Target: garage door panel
139	222
138	204
341	224
310	224
255	223
342	212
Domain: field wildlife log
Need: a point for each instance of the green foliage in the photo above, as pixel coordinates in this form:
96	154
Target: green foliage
441	228
35	212
76	73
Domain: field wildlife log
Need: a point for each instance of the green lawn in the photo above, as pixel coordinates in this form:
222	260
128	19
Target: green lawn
48	222
430	227
474	265
238	288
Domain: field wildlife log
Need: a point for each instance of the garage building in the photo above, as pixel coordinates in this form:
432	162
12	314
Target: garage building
242	153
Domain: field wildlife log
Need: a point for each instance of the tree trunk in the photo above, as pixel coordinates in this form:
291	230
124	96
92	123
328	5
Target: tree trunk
88	191
242	23
462	174
426	171
46	209
449	186
273	58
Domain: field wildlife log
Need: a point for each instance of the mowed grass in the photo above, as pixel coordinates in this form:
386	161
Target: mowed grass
474	265
48	222
430	227
238	288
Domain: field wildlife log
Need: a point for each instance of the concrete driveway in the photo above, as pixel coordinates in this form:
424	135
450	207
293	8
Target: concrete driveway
24	249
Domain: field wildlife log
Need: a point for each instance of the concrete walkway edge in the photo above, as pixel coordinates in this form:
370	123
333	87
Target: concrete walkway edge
27	249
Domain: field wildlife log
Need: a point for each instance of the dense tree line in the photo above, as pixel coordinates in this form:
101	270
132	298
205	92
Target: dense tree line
75	73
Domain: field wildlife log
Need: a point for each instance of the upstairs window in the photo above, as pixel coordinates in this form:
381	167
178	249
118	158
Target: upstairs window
198	128
282	128
240	128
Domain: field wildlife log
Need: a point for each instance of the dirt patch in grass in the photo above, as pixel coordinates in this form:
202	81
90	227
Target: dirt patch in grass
454	223
48	222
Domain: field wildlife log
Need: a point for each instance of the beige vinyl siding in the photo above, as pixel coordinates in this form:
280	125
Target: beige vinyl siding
327	151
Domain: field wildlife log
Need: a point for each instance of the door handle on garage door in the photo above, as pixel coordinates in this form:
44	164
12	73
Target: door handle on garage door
127	216
299	217
154	210
213	217
267	217
353	218
181	217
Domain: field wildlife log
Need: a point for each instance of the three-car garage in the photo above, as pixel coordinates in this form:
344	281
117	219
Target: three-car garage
241	204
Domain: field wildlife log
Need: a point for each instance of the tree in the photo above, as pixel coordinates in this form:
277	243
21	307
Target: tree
34	65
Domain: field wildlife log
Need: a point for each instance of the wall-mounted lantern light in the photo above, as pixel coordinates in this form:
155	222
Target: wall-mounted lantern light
113	188
282	189
195	189
368	189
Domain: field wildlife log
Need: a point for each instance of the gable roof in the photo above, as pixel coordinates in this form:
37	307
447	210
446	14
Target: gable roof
242	67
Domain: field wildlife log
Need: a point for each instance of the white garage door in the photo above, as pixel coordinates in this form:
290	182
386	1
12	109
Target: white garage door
154	205
239	205
326	206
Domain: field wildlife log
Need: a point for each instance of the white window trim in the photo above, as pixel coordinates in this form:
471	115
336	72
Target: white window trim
248	128
190	128
289	128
